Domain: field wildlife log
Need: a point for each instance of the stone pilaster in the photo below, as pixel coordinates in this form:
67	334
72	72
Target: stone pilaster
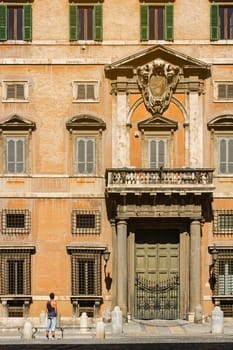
195	265
122	280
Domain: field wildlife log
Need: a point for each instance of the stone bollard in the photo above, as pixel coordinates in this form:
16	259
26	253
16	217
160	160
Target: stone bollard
217	321
100	330
198	314
27	330
42	319
83	323
117	323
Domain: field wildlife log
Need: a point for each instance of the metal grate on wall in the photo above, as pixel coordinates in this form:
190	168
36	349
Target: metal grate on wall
224	273
15	221
86	222
223	222
86	272
15	272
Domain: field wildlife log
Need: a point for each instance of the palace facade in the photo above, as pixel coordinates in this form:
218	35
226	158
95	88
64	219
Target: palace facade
116	169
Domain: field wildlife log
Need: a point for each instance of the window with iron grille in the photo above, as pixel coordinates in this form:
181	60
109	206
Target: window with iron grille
224	273
16	221
86	272
86	221
15	272
223	222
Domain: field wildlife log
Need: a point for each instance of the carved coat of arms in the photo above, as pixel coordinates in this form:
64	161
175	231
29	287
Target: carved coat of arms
157	82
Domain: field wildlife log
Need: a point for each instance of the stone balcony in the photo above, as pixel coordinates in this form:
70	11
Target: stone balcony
166	181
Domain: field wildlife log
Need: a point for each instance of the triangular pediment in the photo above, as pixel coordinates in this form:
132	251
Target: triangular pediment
189	65
223	122
157	123
85	122
16	122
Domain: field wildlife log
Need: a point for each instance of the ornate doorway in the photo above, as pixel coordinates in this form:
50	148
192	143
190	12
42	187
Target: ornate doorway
157	274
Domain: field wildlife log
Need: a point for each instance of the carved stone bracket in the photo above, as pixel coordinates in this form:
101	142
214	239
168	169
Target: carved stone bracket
157	82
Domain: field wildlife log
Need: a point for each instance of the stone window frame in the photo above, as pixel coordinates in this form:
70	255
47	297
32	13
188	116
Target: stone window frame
216	94
18	127
223	227
96	85
220	127
89	126
6	83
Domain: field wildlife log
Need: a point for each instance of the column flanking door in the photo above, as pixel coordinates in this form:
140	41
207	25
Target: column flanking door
157	274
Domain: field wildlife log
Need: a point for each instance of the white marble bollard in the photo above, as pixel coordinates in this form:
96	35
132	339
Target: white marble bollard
27	330
117	322
217	321
83	323
43	319
100	330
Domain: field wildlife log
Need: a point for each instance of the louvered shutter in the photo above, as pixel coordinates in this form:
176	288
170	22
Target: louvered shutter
144	22
20	156
10	158
27	22
222	156
80	156
15	155
98	25
73	11
157	153
80	91
90	156
10	92
214	22
90	92
169	22
230	156
3	22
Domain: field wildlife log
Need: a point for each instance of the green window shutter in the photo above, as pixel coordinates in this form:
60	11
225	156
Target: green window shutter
73	22
214	22
169	22
98	22
3	22
27	22
144	22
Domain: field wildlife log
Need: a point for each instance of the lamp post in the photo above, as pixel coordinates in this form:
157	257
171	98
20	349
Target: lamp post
212	277
108	280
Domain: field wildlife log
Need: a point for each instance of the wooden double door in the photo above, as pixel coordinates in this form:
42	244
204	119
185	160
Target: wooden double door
157	274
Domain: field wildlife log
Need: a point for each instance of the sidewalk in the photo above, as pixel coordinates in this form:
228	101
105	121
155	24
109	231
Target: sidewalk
136	331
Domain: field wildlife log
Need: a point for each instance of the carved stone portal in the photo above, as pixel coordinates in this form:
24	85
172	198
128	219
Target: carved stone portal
157	82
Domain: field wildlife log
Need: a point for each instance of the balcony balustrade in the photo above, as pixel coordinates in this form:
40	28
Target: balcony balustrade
159	180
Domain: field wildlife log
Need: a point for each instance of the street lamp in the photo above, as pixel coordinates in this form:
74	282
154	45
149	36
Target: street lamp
212	277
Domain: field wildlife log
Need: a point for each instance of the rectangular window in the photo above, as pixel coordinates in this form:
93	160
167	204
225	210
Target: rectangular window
223	222
86	272
16	22
86	221
221	22
85	155
157	153
225	91
16	221
15	155
15	276
85	91
156	22
15	91
85	22
225	155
